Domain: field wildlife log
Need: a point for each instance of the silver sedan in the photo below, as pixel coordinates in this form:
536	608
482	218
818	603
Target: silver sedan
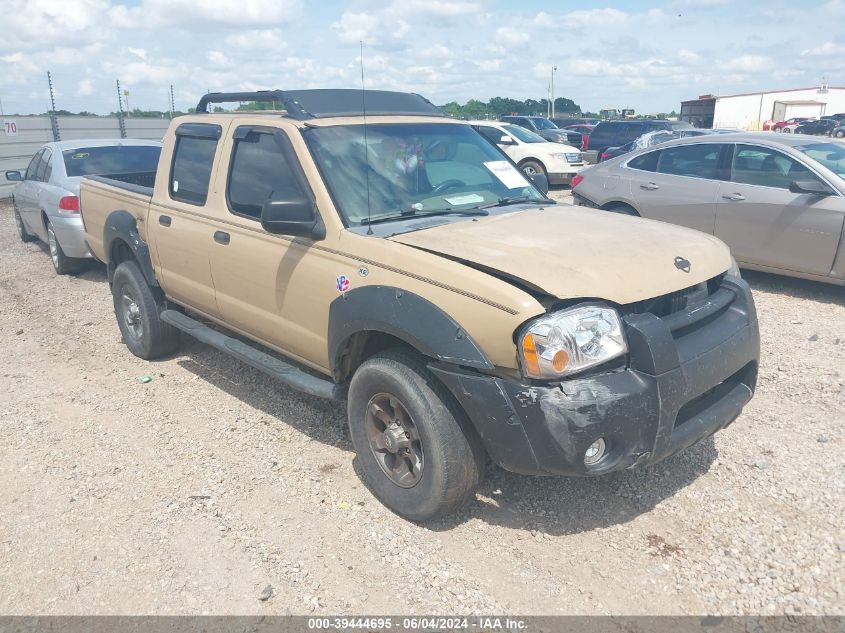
777	200
46	200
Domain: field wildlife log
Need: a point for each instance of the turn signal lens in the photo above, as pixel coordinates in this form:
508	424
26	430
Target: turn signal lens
529	355
560	360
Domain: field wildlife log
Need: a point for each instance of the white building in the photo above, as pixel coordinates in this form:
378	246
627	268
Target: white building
749	111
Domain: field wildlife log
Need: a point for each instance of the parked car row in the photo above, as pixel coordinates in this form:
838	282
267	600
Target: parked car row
777	201
411	269
46	202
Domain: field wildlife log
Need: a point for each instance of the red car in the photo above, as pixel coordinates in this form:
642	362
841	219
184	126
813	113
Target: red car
778	127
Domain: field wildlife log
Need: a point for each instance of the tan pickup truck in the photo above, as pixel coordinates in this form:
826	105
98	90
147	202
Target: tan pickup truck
398	260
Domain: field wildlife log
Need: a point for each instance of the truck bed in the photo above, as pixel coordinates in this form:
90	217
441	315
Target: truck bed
99	196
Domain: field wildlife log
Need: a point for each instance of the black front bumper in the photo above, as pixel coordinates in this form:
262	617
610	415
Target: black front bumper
687	376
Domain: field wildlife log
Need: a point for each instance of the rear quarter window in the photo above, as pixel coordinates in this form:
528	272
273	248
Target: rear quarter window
645	162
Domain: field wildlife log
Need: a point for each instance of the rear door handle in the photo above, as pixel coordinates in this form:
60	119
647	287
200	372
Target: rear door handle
164	220
735	197
221	238
650	186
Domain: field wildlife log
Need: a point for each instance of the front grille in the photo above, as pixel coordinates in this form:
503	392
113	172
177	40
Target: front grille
673	302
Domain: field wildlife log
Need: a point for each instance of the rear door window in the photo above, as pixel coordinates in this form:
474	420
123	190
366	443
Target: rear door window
33	165
628	133
193	158
766	167
645	162
42	174
698	161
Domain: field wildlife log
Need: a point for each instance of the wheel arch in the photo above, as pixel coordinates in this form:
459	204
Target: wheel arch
121	240
533	159
616	204
372	318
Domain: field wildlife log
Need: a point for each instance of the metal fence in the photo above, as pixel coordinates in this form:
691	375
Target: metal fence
18	143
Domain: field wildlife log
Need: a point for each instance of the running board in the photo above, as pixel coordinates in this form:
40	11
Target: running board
270	365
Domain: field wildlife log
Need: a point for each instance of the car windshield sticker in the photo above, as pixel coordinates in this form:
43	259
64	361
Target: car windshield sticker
470	198
507	174
342	283
79	155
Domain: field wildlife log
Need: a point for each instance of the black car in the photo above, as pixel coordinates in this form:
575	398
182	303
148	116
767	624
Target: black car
617	133
656	137
545	128
838	131
573	121
819	126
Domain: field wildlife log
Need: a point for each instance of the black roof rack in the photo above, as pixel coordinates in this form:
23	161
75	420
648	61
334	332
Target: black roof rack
323	103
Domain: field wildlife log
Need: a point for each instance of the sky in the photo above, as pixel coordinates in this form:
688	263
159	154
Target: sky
646	55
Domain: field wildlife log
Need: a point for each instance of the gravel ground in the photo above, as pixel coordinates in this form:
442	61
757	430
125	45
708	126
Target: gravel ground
197	491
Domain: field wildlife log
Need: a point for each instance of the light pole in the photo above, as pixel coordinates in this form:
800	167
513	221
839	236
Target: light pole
552	96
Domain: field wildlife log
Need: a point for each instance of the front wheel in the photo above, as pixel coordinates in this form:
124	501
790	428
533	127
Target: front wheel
138	311
532	167
840	134
417	454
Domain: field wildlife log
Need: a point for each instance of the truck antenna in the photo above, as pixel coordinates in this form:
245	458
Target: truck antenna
366	147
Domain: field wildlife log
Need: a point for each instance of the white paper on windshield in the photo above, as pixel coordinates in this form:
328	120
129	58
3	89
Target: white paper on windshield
507	174
469	198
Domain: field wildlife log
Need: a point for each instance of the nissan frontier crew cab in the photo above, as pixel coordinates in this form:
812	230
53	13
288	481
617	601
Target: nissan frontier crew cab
394	258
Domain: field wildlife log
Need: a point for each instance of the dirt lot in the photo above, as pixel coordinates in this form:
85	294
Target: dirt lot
194	492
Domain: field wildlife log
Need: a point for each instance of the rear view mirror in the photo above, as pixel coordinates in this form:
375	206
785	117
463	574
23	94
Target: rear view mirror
296	217
813	187
506	140
540	181
14	176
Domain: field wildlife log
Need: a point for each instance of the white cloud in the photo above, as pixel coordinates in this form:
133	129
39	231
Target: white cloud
828	49
84	88
510	37
597	17
749	63
259	39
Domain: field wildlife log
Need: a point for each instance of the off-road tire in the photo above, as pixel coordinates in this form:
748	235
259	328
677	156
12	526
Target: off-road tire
527	166
22	232
62	264
154	338
453	458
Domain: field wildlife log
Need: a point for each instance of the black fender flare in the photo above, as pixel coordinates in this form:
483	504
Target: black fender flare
406	316
122	225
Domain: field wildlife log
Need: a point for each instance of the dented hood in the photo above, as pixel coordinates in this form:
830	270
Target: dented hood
573	252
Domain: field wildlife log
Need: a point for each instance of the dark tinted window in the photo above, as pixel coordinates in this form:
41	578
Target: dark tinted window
756	165
259	172
111	159
646	162
700	161
628	132
191	170
603	134
33	165
42	174
491	134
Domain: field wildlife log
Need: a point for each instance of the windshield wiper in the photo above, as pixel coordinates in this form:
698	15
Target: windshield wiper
503	202
412	213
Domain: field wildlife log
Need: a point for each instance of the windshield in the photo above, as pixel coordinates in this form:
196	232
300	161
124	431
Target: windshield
544	124
831	155
111	159
526	136
413	169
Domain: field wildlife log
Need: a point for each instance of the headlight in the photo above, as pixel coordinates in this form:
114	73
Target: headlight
733	271
569	341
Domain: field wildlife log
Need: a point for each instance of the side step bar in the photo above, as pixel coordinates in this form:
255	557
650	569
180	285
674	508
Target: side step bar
270	365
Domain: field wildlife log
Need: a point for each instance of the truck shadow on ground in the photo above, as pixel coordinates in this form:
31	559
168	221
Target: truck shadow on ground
795	287
545	505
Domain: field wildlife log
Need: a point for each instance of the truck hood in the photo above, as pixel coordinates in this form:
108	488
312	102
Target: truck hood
572	252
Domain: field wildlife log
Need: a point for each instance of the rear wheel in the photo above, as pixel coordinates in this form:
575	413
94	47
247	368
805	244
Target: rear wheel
416	452
839	133
138	309
63	264
22	232
532	167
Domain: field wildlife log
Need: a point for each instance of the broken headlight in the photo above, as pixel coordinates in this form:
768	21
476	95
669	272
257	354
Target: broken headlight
566	342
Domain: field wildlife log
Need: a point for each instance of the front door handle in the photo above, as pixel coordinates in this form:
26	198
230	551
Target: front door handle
650	186
164	220
221	238
735	197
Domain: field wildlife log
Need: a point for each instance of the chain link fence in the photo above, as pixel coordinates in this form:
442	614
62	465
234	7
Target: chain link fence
21	137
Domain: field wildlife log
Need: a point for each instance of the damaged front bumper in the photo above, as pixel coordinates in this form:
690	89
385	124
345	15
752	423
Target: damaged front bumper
688	375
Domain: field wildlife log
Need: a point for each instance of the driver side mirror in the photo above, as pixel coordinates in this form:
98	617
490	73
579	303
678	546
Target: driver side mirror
813	187
506	140
540	181
296	217
14	176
